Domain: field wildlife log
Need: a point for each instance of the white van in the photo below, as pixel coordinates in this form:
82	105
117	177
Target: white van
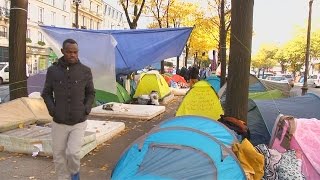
4	72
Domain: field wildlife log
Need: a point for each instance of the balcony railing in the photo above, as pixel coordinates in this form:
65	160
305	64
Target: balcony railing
4	12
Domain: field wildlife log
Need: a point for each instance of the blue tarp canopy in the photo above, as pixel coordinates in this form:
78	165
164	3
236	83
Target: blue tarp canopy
138	48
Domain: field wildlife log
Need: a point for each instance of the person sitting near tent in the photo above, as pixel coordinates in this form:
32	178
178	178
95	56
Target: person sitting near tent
183	72
194	75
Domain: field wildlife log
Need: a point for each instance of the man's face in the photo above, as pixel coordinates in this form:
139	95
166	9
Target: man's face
70	52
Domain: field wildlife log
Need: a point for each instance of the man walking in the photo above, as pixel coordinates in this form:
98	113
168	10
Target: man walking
69	95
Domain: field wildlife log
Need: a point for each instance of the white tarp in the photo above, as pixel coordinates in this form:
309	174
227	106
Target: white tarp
96	50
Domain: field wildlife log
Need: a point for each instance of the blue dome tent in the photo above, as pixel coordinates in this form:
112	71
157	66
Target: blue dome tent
176	150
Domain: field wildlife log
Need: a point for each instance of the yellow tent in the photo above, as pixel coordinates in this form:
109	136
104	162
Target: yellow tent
152	82
201	100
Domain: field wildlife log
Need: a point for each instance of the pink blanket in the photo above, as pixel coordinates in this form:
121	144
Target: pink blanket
307	137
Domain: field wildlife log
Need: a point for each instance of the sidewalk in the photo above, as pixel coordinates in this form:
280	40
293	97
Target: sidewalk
97	165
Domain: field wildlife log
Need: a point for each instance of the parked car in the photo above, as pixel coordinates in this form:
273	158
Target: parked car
4	72
265	75
289	78
313	80
277	78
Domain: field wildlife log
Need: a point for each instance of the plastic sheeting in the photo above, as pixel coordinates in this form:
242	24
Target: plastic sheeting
139	48
96	50
135	48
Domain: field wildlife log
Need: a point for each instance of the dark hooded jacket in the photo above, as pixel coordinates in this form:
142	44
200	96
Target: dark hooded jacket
68	92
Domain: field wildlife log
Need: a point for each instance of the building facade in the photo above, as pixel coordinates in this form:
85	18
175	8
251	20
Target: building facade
114	17
92	14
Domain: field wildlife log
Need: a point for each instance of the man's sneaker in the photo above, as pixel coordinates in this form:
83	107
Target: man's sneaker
75	176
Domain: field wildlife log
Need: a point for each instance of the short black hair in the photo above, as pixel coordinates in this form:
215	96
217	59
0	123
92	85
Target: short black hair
70	41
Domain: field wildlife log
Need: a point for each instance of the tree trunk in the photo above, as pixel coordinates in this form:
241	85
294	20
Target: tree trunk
17	49
222	44
240	59
162	67
187	55
178	63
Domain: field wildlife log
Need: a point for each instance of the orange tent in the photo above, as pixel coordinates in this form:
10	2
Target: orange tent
167	78
177	78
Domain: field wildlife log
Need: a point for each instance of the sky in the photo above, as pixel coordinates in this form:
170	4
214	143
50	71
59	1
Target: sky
274	21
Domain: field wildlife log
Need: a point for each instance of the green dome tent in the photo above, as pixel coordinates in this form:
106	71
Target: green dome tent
121	96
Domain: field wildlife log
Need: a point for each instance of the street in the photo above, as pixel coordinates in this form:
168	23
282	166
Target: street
4	93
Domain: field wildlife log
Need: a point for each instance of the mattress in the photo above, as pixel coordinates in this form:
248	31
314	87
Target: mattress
104	130
179	91
132	111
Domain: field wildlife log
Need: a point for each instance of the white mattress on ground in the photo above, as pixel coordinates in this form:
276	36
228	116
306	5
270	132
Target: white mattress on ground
104	130
26	140
132	111
179	91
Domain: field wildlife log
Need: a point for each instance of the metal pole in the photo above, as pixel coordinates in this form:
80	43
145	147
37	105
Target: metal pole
76	18
306	71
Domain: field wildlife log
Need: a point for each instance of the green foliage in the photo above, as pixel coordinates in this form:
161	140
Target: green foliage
169	64
41	43
28	40
265	58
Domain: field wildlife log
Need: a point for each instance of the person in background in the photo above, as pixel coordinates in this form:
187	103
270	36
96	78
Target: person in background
208	72
203	73
69	95
194	75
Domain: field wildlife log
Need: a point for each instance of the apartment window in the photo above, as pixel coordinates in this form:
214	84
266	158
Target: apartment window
40	36
53	14
112	13
29	10
90	5
53	2
105	9
84	21
40	15
109	11
97	9
28	33
3	32
117	15
4	54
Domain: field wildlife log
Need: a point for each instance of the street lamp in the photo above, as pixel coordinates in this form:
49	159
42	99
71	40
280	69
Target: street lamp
77	2
306	71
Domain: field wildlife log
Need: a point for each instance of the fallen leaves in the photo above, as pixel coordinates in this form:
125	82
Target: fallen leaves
104	167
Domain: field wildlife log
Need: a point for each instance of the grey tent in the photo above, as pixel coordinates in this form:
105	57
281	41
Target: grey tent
263	113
